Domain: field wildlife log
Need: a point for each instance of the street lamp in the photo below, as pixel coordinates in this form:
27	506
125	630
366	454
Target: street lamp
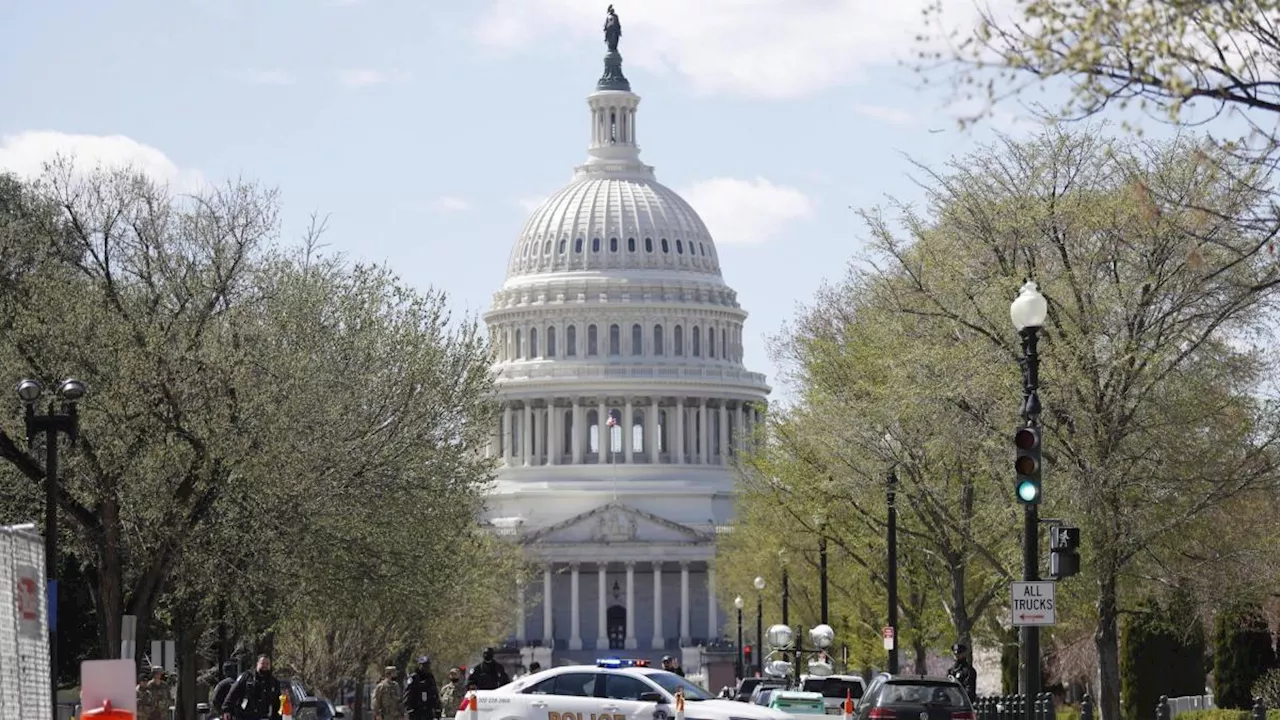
781	639
786	587
1028	312
820	522
892	447
70	391
737	666
759	584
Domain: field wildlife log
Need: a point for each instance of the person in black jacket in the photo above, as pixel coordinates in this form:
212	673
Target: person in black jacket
421	694
255	695
489	674
963	671
223	687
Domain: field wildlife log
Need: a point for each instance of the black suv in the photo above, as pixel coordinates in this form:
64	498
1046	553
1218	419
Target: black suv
914	697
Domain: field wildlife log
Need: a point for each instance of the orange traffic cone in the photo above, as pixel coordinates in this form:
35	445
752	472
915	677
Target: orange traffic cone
679	705
471	706
106	712
286	707
848	705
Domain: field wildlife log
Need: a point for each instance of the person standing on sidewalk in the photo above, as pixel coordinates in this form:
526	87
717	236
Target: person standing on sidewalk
255	695
153	697
421	696
452	693
386	697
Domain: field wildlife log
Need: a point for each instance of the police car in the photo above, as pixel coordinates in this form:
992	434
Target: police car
612	689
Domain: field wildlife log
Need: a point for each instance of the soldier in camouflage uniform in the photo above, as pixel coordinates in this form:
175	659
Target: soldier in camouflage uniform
452	693
386	697
153	697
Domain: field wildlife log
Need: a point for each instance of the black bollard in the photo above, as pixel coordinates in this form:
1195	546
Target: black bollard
1259	709
1086	707
1162	708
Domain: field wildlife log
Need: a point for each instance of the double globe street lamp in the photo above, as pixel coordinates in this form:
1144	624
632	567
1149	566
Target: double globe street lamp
782	639
67	421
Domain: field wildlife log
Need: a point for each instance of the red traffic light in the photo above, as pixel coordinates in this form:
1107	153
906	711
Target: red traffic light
1026	439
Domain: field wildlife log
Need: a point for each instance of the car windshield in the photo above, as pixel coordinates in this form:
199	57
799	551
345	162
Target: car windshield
672	682
939	694
834	687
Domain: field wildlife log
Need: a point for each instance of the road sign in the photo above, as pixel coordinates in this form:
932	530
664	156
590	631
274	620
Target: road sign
1033	603
26	593
888	634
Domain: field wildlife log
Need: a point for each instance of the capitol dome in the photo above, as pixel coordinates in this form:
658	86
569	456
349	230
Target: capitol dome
625	403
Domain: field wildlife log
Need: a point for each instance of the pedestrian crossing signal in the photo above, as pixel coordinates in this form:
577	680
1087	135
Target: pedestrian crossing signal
1064	557
1026	465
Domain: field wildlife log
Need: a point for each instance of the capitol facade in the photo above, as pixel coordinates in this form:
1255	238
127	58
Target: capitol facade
625	402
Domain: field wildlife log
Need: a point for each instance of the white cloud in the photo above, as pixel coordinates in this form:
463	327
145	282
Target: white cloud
742	212
529	204
773	49
449	204
364	77
891	115
271	77
26	153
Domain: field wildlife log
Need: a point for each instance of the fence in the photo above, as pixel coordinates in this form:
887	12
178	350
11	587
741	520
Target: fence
1014	707
24	626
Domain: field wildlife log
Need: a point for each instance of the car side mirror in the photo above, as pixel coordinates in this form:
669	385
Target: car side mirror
339	714
653	697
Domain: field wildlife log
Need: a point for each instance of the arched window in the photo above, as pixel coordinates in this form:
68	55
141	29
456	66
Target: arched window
593	347
505	350
615	340
571	341
613	244
533	343
551	342
637	340
679	341
561	248
577	245
711	343
679	247
702	249
519	346
697	341
657	340
648	244
725	353
546	248
631	244
665	247
595	244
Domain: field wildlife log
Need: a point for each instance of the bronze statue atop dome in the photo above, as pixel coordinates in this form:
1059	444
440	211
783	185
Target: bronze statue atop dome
612	30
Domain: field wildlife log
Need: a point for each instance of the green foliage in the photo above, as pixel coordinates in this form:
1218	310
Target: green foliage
1162	653
1009	662
1220	714
1267	687
1243	652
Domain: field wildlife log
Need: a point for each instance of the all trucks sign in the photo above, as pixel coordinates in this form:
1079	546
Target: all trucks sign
1033	603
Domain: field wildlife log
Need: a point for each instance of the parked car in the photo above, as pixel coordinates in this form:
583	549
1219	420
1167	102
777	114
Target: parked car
797	702
834	689
749	685
898	697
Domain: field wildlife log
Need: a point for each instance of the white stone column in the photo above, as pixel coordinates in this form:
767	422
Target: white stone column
741	432
651	432
627	430
631	605
713	622
602	607
526	435
603	439
659	640
520	613
555	436
724	433
539	436
507	450
704	432
578	431
575	606
679	431
548	639
684	604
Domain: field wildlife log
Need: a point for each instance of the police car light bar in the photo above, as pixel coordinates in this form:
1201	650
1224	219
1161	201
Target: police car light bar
620	663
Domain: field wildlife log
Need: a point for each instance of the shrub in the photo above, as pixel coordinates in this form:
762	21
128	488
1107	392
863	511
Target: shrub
1267	687
1242	653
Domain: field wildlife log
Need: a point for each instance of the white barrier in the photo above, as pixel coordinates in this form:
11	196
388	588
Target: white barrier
25	690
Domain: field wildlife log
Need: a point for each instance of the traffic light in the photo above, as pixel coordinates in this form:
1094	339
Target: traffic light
1064	556
1027	465
746	658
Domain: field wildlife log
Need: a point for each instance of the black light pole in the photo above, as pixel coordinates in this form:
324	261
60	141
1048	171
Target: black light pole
892	541
29	392
822	576
737	666
1028	313
759	585
786	597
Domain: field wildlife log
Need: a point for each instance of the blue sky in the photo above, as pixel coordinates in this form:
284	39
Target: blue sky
425	128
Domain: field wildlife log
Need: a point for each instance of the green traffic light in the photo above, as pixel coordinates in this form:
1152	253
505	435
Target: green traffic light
1027	491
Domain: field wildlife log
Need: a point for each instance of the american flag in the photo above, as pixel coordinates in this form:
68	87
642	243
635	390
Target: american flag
613	422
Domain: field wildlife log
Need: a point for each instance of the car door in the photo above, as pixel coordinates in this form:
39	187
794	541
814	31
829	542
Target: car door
622	698
567	696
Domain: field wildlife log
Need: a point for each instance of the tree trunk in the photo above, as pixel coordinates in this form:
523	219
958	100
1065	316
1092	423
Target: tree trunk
921	651
109	597
1106	641
188	640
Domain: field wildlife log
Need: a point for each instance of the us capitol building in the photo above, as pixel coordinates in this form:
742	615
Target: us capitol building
625	400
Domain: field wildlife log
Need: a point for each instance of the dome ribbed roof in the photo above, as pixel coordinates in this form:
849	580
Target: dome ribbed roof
614	223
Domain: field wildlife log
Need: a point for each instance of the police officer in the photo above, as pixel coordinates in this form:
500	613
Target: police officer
421	696
223	687
255	695
153	697
963	672
386	697
489	674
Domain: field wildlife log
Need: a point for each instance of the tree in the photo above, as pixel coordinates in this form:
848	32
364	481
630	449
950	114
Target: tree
1161	56
1243	653
1151	257
1162	654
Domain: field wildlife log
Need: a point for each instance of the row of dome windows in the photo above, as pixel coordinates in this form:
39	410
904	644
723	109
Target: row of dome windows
637	346
613	246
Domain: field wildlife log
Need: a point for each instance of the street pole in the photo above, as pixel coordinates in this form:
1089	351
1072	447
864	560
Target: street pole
893	567
760	634
822	578
738	666
786	597
1031	518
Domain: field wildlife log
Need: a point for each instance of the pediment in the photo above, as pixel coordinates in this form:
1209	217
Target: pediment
615	523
